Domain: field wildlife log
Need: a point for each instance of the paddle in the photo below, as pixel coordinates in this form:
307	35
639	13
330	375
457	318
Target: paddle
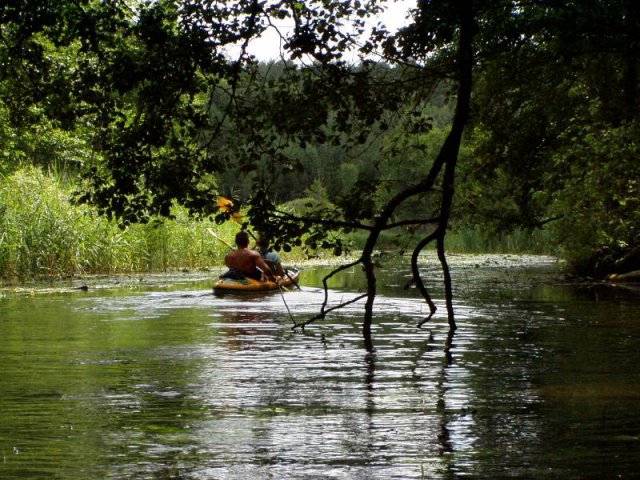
227	205
215	235
284	301
293	280
281	289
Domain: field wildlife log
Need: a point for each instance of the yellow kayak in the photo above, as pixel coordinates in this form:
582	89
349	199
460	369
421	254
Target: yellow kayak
249	285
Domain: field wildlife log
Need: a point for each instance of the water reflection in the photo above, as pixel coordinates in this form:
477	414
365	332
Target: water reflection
540	381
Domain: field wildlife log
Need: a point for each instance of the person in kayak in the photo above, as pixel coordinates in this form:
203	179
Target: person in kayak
270	257
246	262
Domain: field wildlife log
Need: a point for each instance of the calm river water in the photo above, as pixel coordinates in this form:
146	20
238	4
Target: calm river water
172	382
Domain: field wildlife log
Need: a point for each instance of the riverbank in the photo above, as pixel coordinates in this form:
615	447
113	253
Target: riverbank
46	236
173	278
498	268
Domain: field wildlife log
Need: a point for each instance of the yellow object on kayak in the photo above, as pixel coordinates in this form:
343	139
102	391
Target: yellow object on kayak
249	285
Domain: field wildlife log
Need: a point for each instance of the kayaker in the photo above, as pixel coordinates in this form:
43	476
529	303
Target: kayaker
270	257
247	262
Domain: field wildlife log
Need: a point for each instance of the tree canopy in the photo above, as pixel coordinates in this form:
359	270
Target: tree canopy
359	125
555	127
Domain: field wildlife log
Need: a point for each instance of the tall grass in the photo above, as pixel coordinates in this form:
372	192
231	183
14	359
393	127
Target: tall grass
480	240
44	235
470	239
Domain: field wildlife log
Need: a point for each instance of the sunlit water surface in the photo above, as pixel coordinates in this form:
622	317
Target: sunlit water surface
173	382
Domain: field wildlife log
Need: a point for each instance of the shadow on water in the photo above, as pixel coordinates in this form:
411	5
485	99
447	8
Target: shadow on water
541	381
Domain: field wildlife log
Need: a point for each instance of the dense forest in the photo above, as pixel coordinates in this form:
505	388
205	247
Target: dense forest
527	110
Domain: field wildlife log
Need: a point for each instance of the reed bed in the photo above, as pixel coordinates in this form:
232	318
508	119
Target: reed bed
43	234
471	239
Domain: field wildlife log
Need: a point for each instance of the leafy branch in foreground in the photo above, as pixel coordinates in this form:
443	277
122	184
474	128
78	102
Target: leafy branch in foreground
146	100
283	226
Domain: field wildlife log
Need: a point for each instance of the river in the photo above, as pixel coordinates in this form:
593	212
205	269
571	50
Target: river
161	380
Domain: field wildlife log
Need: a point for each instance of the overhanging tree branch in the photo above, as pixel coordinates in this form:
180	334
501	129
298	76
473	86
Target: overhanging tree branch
444	165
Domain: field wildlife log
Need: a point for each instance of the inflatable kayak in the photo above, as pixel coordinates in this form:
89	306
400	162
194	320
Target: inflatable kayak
249	285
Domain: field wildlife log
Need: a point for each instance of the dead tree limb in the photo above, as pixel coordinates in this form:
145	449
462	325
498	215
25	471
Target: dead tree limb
445	165
417	278
323	314
323	308
328	276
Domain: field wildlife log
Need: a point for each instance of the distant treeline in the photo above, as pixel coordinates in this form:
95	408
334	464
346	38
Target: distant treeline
135	107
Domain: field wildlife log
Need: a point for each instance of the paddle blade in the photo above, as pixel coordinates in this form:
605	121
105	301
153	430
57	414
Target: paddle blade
225	204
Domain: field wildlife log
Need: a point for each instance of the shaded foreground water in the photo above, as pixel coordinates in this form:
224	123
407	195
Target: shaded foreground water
173	382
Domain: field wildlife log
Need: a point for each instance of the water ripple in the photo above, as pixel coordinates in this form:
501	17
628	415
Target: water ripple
184	384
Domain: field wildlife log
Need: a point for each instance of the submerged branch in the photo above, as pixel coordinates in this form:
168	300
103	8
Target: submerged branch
324	312
331	274
417	278
323	309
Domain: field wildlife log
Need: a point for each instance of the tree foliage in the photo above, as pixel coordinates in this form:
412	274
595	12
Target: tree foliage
554	112
146	101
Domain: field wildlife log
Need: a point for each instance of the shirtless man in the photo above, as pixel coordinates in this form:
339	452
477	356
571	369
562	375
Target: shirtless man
246	261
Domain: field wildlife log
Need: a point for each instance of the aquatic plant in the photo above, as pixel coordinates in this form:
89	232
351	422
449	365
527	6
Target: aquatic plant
477	239
43	234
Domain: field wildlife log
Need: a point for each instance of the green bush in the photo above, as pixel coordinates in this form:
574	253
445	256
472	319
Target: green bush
474	239
599	205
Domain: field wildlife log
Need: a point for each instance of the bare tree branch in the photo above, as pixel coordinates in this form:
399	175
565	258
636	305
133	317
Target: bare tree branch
417	278
322	221
324	312
331	274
